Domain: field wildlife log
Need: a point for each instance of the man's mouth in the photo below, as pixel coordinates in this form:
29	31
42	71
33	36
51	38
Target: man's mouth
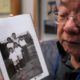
72	42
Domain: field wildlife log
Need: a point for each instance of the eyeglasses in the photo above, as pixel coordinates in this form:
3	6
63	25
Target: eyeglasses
64	17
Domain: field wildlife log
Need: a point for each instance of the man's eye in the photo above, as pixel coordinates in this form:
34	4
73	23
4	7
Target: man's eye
63	16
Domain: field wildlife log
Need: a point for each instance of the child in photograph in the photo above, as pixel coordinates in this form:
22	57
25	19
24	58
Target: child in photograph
23	45
14	37
19	54
10	43
22	42
14	59
28	38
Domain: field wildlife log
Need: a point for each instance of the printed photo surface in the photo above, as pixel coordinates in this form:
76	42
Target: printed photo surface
20	50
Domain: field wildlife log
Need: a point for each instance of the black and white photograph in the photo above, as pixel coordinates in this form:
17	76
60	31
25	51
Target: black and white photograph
19	50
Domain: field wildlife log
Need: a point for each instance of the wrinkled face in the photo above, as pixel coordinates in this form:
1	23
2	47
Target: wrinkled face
69	26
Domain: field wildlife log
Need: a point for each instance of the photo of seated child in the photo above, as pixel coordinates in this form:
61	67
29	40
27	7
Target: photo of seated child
20	56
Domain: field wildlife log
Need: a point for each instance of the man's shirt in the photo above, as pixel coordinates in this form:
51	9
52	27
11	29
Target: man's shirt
58	62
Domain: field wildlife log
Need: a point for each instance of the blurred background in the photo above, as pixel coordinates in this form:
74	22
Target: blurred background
43	12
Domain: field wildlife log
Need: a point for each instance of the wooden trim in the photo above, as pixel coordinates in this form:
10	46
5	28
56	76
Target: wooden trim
15	7
37	16
35	12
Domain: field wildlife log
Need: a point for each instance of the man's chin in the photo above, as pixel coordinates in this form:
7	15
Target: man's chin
74	53
71	50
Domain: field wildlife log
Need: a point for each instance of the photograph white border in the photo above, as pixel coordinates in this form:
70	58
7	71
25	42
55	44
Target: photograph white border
19	23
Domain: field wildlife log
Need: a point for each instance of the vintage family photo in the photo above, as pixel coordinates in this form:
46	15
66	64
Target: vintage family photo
20	56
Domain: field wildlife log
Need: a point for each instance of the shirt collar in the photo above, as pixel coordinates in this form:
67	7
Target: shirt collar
65	57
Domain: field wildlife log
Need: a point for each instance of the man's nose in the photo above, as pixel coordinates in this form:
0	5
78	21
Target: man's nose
70	26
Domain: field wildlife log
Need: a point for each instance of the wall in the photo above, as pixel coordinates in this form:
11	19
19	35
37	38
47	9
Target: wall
27	6
44	17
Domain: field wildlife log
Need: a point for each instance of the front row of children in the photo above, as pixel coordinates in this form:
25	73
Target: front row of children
16	57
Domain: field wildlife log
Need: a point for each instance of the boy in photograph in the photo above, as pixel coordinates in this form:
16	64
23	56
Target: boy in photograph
10	43
23	45
14	37
14	59
19	54
22	42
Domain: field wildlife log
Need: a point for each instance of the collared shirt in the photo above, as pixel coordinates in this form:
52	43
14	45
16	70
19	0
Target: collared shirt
65	69
22	42
10	45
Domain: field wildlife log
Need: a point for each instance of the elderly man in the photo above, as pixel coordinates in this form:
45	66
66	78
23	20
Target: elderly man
63	56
